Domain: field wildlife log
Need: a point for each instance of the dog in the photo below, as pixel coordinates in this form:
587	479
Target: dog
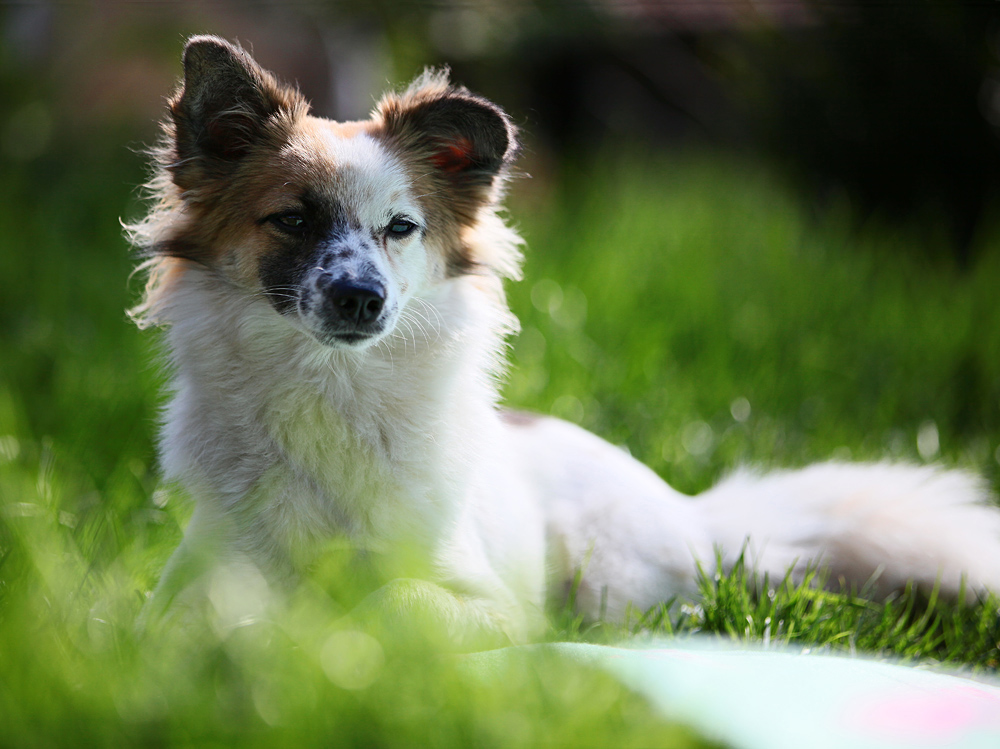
333	300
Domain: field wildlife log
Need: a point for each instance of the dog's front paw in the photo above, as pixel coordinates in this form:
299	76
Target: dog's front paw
407	614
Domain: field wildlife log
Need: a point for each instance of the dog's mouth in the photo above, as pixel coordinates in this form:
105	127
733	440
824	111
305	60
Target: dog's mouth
341	337
351	339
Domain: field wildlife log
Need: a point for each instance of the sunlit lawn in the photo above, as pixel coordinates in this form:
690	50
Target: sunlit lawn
690	309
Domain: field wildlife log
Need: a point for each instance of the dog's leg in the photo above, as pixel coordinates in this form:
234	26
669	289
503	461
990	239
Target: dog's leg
615	530
206	558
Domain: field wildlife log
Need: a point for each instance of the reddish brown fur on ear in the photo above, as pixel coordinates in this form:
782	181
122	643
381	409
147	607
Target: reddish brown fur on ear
464	141
454	156
226	105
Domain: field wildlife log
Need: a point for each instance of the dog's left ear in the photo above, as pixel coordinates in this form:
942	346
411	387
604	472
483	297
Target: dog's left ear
465	141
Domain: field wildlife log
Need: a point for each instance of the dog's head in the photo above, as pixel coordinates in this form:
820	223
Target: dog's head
338	225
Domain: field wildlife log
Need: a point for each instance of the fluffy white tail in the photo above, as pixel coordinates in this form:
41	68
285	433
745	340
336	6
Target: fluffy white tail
881	523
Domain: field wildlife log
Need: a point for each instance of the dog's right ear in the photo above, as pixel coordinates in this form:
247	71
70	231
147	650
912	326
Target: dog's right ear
226	106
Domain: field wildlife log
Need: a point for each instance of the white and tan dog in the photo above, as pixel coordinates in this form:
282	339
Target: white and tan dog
336	325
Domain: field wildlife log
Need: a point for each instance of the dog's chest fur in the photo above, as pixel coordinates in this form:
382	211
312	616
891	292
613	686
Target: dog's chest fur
298	443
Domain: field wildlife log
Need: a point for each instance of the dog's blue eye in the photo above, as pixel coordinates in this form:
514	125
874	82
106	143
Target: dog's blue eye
401	227
289	221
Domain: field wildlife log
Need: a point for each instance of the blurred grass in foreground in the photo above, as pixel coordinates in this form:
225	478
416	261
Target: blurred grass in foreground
686	309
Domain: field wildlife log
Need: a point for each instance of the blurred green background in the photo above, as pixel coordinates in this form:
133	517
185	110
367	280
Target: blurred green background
757	233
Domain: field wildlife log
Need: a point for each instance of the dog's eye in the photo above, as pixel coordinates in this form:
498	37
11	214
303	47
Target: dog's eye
293	222
400	227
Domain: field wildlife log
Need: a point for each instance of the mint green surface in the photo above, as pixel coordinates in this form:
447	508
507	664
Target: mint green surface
771	700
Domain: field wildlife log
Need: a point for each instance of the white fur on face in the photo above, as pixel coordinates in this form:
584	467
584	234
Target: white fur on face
370	190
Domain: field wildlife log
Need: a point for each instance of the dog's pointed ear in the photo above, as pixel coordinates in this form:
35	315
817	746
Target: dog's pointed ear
226	105
464	140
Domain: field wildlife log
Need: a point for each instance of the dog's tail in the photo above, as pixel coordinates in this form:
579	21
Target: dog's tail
868	524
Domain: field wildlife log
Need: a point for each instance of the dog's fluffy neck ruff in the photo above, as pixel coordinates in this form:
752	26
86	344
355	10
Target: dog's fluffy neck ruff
373	438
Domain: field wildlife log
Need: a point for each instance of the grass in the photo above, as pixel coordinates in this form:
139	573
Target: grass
690	309
694	312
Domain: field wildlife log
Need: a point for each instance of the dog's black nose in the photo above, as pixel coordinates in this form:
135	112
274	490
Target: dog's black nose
355	303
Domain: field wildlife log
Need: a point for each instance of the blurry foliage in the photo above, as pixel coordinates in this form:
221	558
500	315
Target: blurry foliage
74	670
894	104
690	309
